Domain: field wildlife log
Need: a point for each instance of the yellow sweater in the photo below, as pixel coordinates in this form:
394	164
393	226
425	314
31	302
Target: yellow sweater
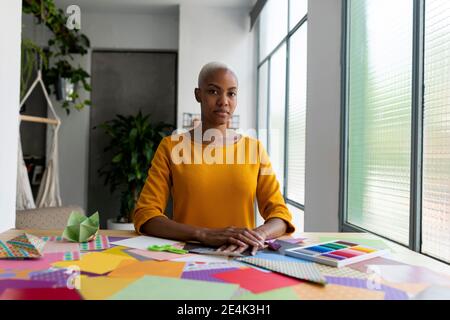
211	186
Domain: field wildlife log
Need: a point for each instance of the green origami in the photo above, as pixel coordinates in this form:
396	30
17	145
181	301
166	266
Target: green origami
81	228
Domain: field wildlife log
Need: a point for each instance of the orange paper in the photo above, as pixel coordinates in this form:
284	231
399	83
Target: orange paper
152	268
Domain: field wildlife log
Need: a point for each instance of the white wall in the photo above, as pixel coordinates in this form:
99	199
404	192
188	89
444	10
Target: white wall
105	30
216	34
10	35
323	116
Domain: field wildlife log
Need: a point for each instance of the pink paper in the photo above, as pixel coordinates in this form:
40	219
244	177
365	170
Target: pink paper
32	264
362	266
59	246
158	255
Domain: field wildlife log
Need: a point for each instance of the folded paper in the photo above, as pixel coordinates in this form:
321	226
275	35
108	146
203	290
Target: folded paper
81	228
23	246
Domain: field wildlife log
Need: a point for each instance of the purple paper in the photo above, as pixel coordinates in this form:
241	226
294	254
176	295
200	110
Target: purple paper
60	277
389	292
114	239
205	275
20	284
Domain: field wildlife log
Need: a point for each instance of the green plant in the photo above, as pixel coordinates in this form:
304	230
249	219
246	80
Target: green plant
29	62
64	43
133	142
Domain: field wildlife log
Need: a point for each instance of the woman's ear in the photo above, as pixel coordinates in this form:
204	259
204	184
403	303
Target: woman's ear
197	95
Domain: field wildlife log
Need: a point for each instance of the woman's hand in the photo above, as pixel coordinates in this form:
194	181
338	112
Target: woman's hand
233	239
242	246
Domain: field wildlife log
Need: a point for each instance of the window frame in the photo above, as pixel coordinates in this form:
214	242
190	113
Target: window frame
260	63
417	108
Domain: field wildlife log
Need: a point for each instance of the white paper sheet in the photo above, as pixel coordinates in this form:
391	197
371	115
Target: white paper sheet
143	242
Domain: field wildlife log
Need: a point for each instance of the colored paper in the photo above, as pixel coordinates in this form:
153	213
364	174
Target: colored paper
95	262
60	277
299	270
410	288
198	265
22	246
163	288
434	293
255	280
277	257
389	292
143	242
101	288
202	258
99	243
278	294
38	264
20	283
61	246
156	255
155	268
81	228
409	273
205	275
307	291
340	272
40	294
362	266
119	250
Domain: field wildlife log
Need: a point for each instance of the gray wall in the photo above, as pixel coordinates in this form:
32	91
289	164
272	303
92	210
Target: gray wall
323	116
123	83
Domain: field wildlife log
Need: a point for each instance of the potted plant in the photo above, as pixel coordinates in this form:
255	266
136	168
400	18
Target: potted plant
133	143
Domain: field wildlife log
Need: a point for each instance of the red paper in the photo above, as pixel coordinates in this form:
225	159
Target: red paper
257	281
40	294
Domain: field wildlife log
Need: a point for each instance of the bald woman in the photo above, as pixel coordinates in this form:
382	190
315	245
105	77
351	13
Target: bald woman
213	201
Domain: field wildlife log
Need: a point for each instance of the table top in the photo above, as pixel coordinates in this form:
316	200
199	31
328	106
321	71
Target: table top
399	253
418	273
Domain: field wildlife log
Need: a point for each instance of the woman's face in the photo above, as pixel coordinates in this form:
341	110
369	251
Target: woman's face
218	97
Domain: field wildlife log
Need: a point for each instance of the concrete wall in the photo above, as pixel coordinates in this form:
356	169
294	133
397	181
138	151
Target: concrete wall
10	35
217	34
323	116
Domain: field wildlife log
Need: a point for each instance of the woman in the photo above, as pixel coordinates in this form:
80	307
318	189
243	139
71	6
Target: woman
214	178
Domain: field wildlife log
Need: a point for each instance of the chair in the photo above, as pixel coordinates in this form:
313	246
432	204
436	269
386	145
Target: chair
45	218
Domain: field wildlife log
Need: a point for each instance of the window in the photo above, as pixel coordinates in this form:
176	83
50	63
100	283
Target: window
436	131
296	132
277	106
396	171
282	92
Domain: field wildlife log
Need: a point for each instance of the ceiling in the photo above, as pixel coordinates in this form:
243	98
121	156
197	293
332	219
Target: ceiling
149	6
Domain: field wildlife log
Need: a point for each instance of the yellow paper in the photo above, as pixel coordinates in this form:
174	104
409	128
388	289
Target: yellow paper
101	288
153	268
95	262
117	250
308	291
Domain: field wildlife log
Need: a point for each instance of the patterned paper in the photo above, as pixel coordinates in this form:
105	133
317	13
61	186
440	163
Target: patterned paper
23	246
341	272
390	293
308	291
100	243
60	277
205	275
299	270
